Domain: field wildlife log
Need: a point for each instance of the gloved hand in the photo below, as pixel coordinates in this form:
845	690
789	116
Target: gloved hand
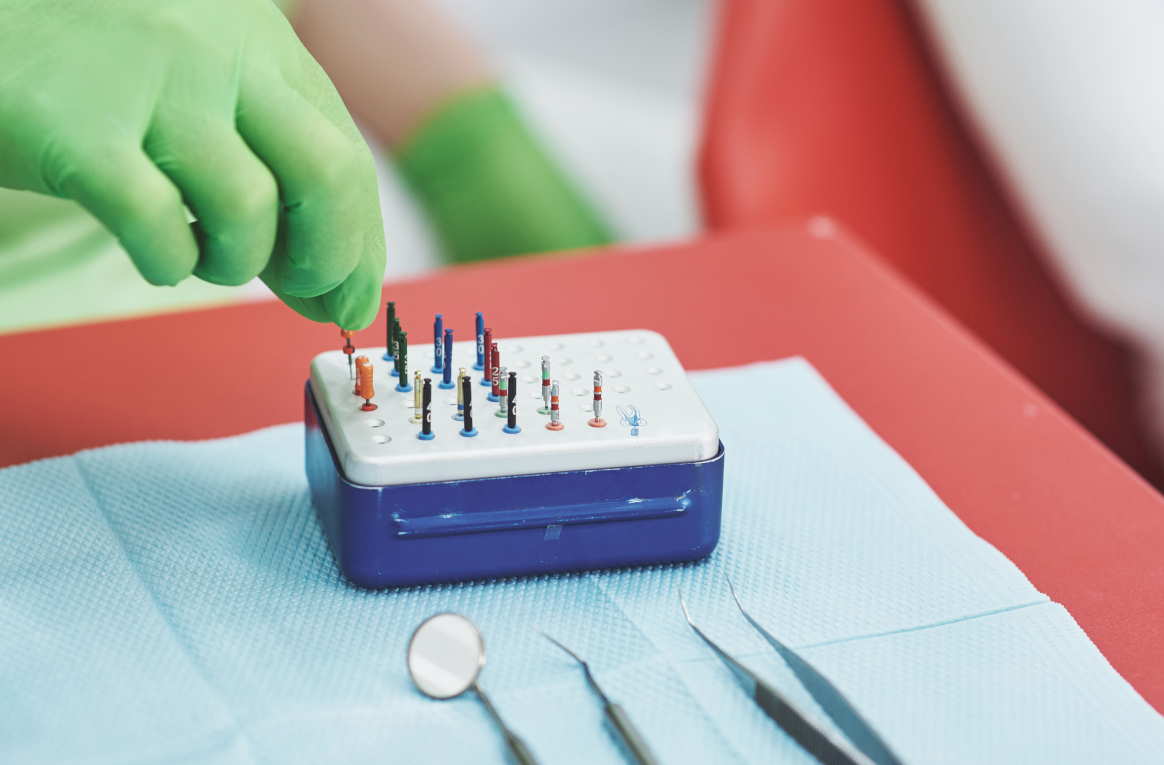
136	107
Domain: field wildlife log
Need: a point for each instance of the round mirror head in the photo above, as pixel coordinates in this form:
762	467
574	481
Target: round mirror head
445	655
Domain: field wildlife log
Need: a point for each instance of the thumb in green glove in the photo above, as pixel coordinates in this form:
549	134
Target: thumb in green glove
134	108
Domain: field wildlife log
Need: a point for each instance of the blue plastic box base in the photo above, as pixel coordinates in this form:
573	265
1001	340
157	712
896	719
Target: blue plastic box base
397	536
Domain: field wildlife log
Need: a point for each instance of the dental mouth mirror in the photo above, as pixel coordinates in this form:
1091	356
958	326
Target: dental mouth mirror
445	656
633	745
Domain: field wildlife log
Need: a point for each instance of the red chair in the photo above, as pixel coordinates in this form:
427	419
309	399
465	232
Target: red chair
836	107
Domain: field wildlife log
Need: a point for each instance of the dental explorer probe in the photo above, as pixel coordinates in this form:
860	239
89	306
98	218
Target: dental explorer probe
624	732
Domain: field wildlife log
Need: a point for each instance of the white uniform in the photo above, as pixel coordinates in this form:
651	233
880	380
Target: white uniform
1068	95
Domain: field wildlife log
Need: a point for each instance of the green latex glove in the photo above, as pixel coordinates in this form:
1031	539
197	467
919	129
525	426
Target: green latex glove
488	187
134	108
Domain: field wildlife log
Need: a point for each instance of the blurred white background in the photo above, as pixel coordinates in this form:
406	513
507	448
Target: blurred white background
614	88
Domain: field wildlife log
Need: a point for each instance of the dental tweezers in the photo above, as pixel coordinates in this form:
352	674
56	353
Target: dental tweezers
862	747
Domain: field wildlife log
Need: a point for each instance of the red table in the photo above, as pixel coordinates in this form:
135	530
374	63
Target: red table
1083	527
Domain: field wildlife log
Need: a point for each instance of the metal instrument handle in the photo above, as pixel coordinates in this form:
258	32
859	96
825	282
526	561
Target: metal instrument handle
827	749
633	744
518	751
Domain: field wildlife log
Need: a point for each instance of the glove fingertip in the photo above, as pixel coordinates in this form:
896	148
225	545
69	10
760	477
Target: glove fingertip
309	308
354	305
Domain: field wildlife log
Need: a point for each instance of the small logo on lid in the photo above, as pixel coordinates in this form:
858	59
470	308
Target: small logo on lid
632	419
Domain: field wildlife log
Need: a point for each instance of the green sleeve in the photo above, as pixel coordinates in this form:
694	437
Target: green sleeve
58	265
487	186
286	6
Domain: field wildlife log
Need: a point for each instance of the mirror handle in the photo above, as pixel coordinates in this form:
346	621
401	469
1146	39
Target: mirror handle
518	751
